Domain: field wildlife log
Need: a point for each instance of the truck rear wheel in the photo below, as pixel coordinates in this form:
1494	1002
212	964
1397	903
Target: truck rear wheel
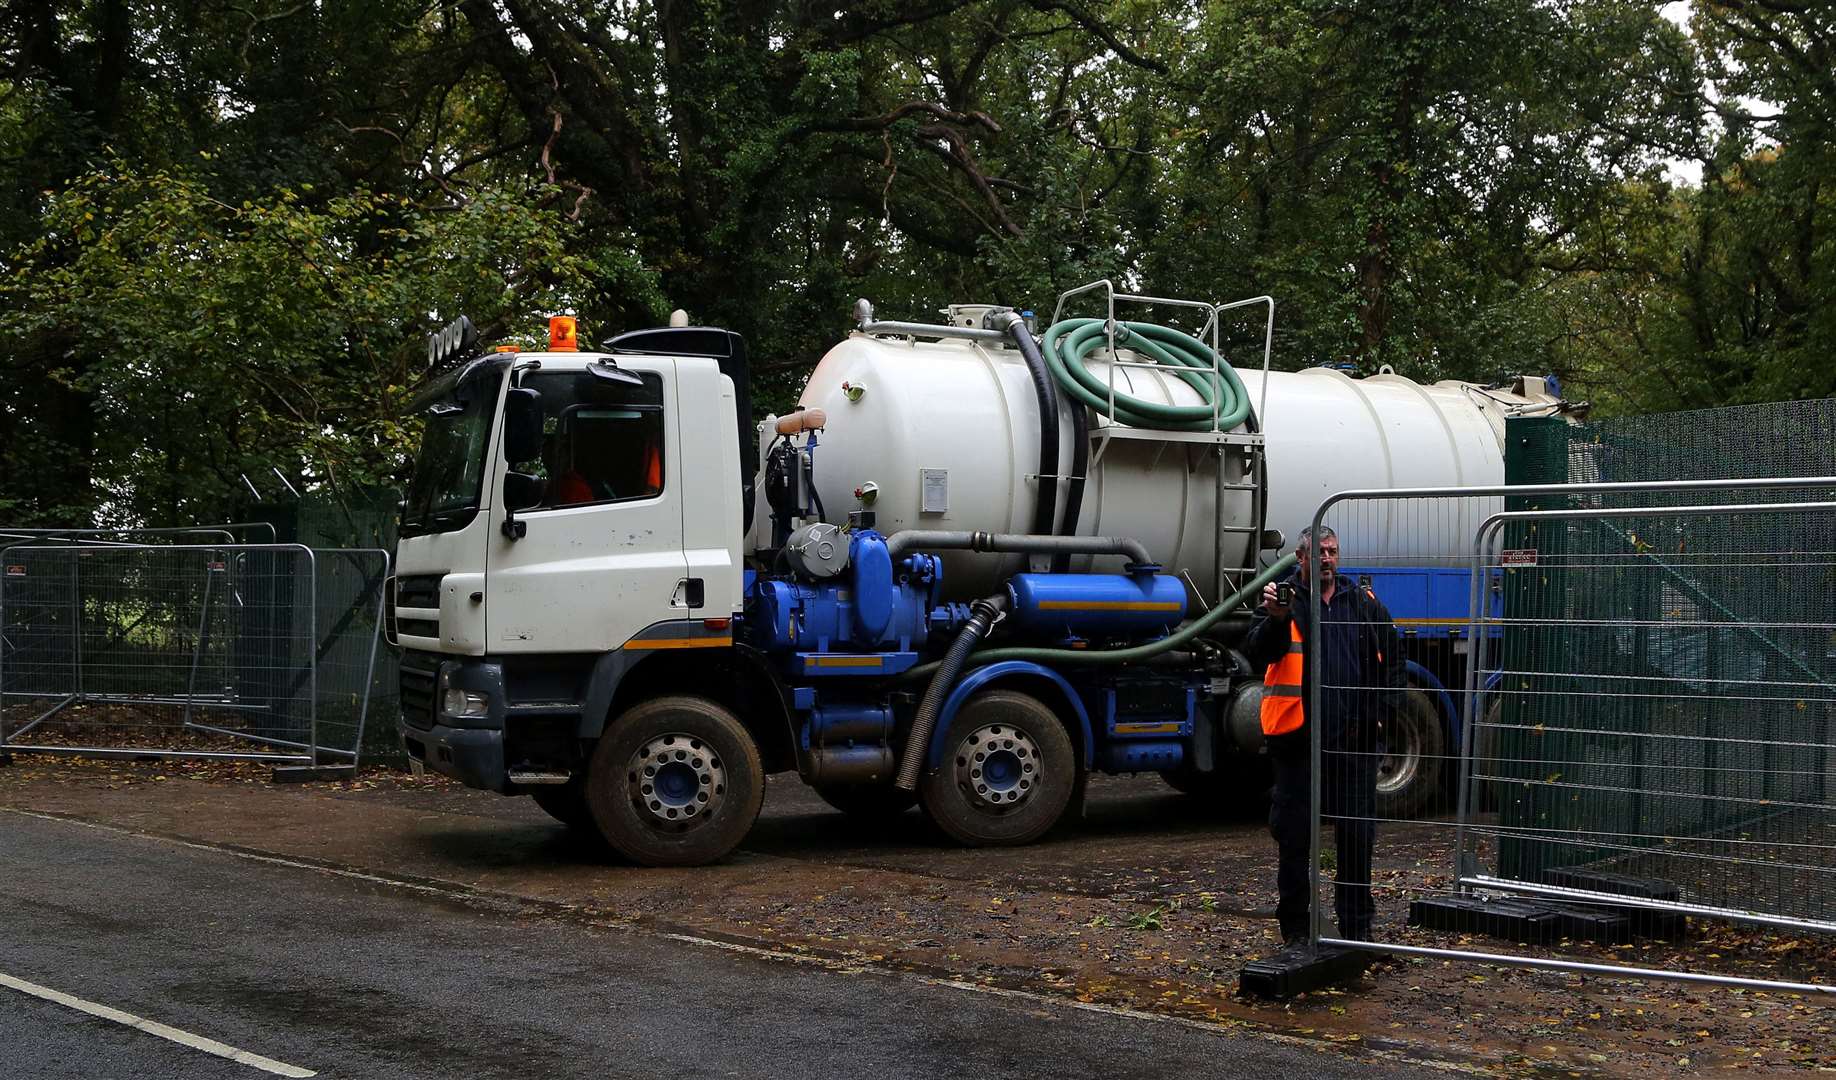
675	782
1414	760
1007	774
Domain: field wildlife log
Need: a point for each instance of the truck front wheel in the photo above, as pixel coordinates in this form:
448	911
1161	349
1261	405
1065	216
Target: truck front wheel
566	803
675	782
1007	774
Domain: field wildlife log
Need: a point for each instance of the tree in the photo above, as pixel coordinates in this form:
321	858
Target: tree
224	341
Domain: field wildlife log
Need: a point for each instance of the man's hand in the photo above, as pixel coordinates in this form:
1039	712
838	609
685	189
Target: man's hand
1271	602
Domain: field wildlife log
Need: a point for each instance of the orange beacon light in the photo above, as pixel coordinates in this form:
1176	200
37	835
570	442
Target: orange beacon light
561	334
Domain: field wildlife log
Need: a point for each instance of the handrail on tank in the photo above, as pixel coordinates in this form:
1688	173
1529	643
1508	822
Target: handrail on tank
1211	328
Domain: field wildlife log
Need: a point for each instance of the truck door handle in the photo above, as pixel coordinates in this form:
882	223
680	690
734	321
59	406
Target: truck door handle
690	593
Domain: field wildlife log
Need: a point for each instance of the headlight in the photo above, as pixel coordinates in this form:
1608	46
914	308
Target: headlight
464	703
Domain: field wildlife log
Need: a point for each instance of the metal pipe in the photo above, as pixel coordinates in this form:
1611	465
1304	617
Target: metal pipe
952	540
268	739
76	621
197	650
369	671
1671	907
1315	748
37	720
1579	966
931	330
312	651
113	752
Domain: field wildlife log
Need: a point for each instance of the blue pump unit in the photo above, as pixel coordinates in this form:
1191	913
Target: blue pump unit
875	607
1097	606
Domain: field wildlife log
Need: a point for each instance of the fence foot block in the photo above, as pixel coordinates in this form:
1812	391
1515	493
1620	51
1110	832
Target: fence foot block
1298	969
300	774
1519	921
1661	925
1602	926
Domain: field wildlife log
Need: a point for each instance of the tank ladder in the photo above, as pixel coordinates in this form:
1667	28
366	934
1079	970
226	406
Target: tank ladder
1250	443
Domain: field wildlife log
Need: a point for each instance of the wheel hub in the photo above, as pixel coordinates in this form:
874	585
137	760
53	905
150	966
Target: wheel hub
997	767
676	781
1401	756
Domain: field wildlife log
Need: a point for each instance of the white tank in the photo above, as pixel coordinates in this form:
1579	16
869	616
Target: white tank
948	434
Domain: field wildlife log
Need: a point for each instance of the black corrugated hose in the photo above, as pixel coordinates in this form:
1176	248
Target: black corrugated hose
982	615
1045	389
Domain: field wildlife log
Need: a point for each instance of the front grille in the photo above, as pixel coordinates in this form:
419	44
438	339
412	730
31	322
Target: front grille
415	591
418	590
418	673
418	627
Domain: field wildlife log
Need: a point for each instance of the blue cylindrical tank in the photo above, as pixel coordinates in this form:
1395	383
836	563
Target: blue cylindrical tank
1100	606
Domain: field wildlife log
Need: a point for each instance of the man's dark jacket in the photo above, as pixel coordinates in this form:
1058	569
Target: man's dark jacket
1364	664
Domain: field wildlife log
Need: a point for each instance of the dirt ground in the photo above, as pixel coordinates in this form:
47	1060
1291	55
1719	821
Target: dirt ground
1150	901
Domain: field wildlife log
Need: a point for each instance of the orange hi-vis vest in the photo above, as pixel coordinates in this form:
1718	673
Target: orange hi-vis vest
1281	688
1281	684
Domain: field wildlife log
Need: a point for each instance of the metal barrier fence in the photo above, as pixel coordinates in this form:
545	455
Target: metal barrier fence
245	651
230	532
1642	706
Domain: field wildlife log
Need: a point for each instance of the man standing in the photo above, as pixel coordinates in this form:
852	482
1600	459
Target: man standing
1360	677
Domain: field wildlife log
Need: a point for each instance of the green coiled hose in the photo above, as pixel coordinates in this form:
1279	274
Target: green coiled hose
1070	341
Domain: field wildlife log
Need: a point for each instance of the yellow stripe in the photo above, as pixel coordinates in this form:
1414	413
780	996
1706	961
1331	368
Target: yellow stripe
680	643
1146	729
1431	622
1108	605
844	661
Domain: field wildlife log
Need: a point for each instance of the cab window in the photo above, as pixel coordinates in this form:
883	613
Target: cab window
602	442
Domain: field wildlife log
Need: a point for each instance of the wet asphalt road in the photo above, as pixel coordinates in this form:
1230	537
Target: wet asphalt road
354	978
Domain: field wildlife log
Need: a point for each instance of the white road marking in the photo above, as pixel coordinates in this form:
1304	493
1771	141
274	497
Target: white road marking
151	1027
840	966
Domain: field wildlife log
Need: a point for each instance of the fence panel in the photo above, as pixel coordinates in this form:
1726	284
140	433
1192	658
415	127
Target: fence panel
1643	699
349	603
227	650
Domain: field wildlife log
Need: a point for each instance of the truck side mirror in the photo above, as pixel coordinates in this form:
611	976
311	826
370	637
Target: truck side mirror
522	491
522	424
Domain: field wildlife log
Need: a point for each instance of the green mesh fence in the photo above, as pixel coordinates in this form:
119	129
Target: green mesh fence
1668	683
351	519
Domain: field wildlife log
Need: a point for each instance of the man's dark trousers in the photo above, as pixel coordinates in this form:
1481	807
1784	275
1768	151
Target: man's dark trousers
1350	803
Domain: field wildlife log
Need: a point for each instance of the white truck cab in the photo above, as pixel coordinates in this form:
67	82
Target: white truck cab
570	514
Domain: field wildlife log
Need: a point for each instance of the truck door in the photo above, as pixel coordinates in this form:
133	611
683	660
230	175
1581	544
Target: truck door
599	555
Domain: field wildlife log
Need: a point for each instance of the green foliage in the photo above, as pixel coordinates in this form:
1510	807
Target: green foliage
213	341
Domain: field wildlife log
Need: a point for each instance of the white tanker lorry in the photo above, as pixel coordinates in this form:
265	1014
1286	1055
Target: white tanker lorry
961	578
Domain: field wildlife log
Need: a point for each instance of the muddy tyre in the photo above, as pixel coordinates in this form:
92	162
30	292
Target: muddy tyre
566	803
1191	782
1007	773
675	782
868	802
1414	760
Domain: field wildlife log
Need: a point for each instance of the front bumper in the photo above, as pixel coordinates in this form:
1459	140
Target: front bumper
471	756
468	749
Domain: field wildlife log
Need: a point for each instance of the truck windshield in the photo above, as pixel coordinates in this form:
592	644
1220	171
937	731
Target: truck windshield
448	478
